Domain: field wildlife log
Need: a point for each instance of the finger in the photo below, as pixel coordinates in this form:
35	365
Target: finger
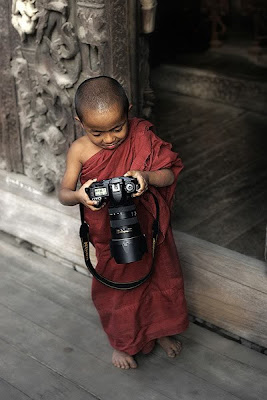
89	182
90	203
138	193
142	184
93	205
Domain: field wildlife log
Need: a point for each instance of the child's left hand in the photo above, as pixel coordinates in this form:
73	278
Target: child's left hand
143	181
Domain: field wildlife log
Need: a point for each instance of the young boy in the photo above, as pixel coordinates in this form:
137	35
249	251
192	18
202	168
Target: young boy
113	145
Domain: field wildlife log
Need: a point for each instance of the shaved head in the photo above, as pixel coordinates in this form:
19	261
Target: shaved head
100	94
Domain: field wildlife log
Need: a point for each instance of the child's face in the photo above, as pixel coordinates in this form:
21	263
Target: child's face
106	129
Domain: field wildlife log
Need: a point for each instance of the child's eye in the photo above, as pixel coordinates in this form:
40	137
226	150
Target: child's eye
118	130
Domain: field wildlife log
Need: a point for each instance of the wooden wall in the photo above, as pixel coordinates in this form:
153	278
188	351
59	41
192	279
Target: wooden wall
225	288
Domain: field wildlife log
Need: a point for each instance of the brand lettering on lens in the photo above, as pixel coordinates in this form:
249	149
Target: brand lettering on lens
123	230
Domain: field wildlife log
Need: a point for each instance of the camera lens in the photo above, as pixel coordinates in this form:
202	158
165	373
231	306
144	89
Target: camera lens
128	244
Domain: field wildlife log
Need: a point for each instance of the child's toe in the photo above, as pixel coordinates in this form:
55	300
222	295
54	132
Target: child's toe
125	364
177	347
132	363
171	353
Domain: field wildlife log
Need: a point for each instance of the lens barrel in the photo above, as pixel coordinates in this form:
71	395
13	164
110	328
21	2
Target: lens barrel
128	244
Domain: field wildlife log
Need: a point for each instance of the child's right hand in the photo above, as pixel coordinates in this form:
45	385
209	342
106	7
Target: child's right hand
84	198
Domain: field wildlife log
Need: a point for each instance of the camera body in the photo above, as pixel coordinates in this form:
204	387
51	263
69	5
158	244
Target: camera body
117	190
127	244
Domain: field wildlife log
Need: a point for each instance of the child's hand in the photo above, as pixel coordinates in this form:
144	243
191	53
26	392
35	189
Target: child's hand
143	181
84	198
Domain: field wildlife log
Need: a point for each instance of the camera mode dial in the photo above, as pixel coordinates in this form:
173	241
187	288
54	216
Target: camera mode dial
129	187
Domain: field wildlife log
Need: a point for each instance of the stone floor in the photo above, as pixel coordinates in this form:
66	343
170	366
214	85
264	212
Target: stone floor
52	346
222	192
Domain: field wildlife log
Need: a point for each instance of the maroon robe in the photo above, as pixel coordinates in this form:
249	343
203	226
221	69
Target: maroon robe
134	318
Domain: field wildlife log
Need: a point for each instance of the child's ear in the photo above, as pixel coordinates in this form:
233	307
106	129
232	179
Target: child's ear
130	107
78	120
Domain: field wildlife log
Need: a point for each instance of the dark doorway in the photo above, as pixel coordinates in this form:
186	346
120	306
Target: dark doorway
211	96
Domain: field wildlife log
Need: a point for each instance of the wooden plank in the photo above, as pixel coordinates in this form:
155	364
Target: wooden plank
178	117
225	288
234	377
227	192
29	189
227	348
70	360
40	219
214	167
52	280
231	223
252	242
9	392
35	340
41	226
208	138
168	378
228	304
103	380
36	380
223	262
226	132
204	84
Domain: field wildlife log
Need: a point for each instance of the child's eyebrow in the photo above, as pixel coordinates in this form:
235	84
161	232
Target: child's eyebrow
110	130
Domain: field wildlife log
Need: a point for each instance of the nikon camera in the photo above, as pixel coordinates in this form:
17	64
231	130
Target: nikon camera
127	244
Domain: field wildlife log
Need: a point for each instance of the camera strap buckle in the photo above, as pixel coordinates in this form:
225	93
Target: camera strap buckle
84	235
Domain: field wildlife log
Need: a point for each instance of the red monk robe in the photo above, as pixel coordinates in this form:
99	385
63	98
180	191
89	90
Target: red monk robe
134	318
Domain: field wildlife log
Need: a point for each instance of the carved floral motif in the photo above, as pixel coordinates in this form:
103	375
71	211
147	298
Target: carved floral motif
24	16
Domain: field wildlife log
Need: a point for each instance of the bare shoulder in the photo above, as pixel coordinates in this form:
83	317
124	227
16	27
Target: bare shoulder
77	146
82	149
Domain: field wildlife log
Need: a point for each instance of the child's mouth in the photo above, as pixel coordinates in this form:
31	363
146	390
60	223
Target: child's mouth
111	146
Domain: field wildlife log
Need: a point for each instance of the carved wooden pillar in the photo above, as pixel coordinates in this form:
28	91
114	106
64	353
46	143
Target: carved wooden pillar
10	140
62	43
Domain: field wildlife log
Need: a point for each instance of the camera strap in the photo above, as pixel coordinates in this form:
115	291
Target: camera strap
84	235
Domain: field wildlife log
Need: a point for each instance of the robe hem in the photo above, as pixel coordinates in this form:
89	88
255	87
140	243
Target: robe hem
132	350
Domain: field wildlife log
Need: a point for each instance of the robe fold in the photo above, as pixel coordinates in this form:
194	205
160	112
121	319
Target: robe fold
134	319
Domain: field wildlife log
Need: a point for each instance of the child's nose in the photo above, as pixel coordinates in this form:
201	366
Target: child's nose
109	138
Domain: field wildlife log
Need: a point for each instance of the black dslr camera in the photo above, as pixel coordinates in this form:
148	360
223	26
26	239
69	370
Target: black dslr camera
127	244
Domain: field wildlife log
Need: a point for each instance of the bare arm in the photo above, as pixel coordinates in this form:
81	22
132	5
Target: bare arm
68	195
160	178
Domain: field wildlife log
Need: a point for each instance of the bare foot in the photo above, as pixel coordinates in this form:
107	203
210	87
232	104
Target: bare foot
123	360
172	347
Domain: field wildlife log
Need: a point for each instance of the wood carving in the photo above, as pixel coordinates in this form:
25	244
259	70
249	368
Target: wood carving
62	43
45	69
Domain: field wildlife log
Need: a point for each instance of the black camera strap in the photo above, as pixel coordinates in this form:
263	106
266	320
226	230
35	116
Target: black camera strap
84	235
